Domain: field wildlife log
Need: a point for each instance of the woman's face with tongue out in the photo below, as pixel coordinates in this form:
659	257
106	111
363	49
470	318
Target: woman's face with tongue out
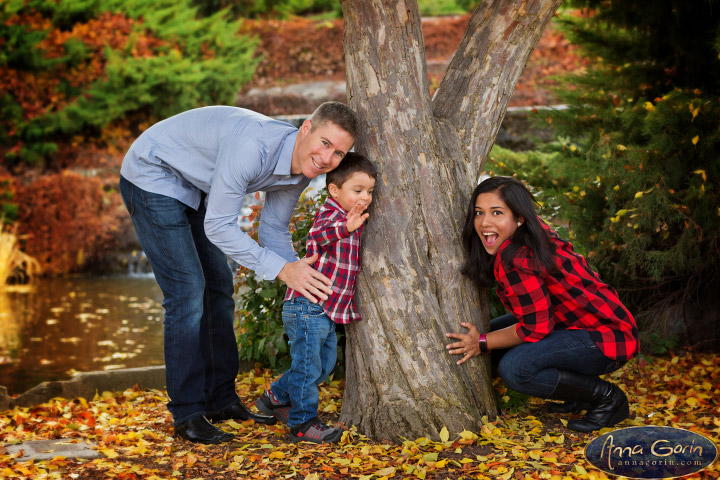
494	221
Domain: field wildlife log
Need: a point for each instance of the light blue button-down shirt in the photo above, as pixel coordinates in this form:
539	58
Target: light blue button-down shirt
225	152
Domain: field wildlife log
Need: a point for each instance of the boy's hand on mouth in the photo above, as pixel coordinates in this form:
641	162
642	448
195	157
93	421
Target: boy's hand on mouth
356	217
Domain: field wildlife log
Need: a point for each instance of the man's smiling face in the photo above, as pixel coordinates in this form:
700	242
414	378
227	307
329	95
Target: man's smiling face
320	149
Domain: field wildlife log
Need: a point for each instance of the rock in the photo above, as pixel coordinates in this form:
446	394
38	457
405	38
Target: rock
49	449
519	132
87	384
293	98
4	399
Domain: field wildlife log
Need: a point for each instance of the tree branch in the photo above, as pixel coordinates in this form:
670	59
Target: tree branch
476	89
386	72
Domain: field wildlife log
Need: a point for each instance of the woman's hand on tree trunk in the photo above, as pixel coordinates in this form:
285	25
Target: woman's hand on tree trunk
468	345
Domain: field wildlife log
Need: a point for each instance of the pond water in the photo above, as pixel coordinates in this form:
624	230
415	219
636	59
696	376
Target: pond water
79	324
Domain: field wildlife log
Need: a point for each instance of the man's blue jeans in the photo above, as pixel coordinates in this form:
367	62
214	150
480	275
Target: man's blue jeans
313	348
201	356
532	368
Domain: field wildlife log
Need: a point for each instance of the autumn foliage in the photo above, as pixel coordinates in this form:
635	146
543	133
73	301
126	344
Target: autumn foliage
133	433
300	49
70	68
72	220
78	81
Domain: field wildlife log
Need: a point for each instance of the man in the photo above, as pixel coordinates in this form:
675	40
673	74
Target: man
183	182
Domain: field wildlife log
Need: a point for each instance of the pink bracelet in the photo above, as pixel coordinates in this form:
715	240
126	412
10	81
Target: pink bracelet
483	343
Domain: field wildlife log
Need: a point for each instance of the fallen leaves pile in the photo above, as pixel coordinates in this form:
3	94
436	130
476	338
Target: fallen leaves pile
133	431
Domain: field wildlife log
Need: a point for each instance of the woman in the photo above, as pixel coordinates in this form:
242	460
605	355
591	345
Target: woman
565	328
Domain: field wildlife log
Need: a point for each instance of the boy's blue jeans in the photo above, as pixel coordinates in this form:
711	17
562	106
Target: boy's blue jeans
201	356
532	368
313	348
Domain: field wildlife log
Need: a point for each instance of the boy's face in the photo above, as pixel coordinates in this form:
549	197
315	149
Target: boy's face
319	150
357	190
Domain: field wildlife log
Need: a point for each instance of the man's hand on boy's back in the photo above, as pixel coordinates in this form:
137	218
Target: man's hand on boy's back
356	217
301	277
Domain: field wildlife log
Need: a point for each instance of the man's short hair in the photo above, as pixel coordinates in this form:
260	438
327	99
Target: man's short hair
352	162
337	113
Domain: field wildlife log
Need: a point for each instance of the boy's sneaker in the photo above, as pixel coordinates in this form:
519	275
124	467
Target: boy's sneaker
315	431
269	405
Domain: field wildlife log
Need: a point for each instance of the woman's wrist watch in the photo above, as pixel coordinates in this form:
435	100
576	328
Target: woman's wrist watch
483	343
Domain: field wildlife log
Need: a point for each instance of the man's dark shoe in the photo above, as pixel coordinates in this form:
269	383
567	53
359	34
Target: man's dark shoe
238	411
315	431
269	405
199	430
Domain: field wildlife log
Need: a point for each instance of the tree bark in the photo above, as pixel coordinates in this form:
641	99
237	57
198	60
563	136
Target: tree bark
401	382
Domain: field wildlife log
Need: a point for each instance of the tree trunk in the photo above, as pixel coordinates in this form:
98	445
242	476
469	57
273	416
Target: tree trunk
401	382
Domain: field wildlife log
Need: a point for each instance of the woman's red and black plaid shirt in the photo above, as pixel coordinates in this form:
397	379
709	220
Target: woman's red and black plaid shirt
339	260
573	297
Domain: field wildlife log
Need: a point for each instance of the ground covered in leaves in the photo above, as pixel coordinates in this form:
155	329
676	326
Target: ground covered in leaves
134	433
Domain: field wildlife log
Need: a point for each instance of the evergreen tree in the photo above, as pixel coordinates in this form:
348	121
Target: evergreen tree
640	141
74	68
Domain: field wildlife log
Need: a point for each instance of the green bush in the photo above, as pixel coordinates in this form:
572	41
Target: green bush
76	68
269	8
261	335
638	158
285	8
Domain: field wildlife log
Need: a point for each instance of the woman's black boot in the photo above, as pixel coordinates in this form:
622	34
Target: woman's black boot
608	404
571	406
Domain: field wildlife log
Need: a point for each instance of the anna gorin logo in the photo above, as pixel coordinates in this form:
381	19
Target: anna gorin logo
651	452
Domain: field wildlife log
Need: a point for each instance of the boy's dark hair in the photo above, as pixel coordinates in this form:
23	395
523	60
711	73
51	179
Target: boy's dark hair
337	113
352	162
478	263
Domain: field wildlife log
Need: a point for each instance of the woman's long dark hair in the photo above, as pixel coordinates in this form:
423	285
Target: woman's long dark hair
479	264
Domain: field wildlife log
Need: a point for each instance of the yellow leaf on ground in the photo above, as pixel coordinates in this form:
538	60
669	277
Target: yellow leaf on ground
385	472
109	452
444	434
430	457
233	424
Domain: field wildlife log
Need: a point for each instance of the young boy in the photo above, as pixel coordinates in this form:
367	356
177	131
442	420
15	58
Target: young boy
335	235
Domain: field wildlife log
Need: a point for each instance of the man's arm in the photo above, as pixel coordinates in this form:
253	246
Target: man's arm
275	235
224	204
274	231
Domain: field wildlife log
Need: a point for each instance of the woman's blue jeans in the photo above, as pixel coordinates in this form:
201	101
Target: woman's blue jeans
201	356
532	368
313	348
